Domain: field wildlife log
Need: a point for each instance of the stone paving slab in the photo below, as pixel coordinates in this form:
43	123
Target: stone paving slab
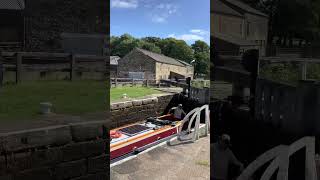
168	162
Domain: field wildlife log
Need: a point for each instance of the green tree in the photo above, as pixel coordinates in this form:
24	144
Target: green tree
149	46
177	49
200	46
290	19
283	72
154	40
120	46
202	63
201	57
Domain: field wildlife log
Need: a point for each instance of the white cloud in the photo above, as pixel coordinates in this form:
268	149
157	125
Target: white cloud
187	37
124	4
159	19
161	12
199	32
193	35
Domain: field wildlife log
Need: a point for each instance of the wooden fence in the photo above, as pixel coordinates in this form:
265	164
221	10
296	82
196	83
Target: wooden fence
115	82
235	61
53	62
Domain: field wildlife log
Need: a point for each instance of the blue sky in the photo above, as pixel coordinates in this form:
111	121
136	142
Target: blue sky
182	19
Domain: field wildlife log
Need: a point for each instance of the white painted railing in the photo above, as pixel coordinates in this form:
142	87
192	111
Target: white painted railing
195	114
280	161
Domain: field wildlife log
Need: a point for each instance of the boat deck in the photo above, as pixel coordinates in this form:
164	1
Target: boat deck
138	135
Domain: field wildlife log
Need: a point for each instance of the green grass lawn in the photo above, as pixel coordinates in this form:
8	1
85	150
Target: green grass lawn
132	92
72	98
200	83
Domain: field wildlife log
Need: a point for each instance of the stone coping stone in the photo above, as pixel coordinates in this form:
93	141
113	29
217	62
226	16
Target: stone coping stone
52	135
85	131
116	106
137	102
25	139
128	104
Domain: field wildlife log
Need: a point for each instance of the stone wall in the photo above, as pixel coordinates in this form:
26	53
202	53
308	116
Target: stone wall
136	61
45	20
244	26
163	71
258	27
227	24
72	152
137	110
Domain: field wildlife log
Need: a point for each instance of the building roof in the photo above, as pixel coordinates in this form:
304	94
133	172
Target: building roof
245	7
234	7
114	60
183	62
12	4
162	58
220	7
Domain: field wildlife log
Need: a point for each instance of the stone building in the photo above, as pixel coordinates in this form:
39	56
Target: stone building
153	66
237	27
41	22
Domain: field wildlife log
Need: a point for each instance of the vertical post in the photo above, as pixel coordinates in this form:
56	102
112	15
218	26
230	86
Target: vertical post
310	166
283	164
132	82
303	70
1	70
18	68
258	67
147	82
115	82
188	81
72	66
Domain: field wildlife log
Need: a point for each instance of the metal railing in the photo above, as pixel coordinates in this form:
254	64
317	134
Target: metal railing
195	115
280	161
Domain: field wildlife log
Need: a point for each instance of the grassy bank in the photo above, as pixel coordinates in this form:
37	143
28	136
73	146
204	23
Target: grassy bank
132	92
72	98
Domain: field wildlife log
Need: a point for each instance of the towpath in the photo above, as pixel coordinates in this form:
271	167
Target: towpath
168	162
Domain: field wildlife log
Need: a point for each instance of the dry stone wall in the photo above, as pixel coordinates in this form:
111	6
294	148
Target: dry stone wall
137	110
45	20
65	152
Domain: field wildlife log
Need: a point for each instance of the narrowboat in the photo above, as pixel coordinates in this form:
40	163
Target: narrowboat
136	137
